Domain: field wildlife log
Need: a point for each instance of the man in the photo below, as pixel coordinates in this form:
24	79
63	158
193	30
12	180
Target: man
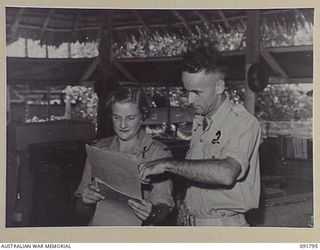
222	164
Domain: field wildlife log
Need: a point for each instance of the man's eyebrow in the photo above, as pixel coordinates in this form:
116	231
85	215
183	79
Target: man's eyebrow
194	90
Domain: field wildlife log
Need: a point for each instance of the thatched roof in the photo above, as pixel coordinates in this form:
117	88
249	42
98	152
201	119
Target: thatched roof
53	26
58	25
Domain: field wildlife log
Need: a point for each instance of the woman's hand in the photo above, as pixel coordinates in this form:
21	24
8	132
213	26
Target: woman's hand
91	194
141	209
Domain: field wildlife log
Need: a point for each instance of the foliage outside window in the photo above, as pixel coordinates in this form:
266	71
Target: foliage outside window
286	109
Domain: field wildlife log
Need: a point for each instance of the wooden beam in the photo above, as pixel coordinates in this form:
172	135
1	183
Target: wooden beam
123	70
14	27
175	58
252	54
273	63
151	59
281	80
183	20
137	14
90	70
224	19
302	48
45	23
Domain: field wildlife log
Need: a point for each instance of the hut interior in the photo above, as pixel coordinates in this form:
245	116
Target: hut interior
45	142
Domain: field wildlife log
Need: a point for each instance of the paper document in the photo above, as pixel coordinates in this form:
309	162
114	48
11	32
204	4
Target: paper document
117	179
116	170
113	194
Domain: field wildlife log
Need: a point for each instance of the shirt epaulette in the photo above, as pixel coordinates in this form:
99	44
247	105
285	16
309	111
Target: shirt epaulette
239	109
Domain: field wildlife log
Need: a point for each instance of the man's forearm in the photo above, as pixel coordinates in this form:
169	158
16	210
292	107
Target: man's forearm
213	172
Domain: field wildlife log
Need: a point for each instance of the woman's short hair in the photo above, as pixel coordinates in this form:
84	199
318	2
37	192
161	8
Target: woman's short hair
129	94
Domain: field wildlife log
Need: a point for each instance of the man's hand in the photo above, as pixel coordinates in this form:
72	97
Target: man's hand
151	168
141	209
91	194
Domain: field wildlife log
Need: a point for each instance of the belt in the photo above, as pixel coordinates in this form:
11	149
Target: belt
221	214
237	220
185	218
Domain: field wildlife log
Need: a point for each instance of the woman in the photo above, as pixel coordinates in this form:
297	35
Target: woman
129	109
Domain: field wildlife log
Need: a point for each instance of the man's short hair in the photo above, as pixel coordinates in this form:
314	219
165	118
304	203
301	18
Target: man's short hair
206	59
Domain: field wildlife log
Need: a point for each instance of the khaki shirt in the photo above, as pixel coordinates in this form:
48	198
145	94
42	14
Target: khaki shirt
147	150
231	132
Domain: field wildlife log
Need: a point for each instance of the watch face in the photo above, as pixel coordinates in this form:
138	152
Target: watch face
257	78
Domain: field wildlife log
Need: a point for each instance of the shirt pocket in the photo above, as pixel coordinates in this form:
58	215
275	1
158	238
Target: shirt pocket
214	150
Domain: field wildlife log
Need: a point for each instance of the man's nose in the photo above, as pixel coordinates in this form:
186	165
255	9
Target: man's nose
191	98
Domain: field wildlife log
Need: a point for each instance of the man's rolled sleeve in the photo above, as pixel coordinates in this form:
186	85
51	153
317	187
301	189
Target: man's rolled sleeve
243	143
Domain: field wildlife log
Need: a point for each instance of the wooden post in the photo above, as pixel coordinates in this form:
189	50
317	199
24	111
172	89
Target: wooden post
69	50
26	47
67	113
252	53
26	113
105	84
8	105
47	51
48	95
168	123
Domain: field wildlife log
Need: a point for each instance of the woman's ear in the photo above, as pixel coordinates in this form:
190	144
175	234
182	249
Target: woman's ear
220	87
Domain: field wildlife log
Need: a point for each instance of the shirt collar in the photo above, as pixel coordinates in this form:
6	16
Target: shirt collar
145	142
218	116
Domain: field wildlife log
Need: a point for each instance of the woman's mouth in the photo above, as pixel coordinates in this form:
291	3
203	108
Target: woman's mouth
124	130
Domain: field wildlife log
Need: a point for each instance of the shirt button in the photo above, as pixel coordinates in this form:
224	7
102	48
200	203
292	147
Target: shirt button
201	140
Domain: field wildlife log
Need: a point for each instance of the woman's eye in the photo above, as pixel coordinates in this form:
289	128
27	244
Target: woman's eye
116	117
131	117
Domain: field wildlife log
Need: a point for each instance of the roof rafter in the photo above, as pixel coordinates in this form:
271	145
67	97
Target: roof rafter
90	70
14	27
45	24
224	19
123	70
203	18
273	63
183	20
137	14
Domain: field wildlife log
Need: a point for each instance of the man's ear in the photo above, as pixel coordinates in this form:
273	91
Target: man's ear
220	86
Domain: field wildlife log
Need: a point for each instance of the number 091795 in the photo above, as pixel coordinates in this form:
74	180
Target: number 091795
309	246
